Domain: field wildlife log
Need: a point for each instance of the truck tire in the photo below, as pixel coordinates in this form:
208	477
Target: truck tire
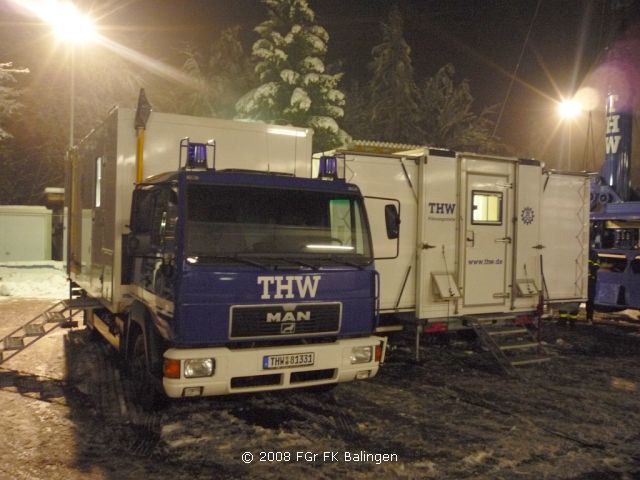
143	386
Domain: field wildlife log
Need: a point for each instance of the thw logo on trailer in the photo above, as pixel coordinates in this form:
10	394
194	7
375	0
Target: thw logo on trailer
288	286
442	208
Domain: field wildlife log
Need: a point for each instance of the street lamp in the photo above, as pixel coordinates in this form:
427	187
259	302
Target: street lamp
74	28
569	109
573	112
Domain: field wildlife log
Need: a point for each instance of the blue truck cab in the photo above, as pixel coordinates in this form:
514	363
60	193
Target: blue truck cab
251	281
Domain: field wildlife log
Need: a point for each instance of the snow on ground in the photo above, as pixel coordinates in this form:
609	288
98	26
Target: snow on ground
38	279
68	414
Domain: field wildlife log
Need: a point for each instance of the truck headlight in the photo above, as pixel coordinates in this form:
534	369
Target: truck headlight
199	367
361	354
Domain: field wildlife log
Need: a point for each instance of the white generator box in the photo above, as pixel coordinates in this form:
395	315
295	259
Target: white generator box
103	175
472	236
25	234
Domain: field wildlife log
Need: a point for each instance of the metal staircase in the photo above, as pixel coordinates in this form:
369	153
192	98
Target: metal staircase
512	345
62	314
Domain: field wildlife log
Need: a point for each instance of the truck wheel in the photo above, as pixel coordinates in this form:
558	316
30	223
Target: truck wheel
143	387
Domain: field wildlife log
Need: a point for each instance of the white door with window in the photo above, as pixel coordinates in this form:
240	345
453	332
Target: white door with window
487	240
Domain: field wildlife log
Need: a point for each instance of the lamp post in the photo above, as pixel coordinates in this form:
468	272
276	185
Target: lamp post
74	28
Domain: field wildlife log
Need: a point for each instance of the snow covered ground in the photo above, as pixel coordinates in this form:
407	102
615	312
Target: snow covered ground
42	279
68	413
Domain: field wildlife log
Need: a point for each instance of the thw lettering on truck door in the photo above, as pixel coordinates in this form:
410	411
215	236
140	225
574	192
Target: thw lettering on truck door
288	286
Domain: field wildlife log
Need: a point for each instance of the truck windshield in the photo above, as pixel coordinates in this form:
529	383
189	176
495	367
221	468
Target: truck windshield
226	222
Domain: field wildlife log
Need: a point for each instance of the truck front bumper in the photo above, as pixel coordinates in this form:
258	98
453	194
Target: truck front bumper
244	370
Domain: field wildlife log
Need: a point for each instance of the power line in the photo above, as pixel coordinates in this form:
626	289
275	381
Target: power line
515	71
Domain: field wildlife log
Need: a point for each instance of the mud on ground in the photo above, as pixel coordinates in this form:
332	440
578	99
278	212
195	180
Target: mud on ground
67	413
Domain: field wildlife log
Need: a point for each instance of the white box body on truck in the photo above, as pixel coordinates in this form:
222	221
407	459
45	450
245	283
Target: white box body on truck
458	234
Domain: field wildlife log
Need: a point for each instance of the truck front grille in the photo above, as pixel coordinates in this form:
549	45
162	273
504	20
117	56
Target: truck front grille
284	320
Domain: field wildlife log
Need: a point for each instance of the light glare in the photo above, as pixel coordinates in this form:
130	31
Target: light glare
569	108
66	21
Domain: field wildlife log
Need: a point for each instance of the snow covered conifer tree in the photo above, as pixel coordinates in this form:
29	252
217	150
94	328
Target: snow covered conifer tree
8	94
448	119
295	88
223	75
393	94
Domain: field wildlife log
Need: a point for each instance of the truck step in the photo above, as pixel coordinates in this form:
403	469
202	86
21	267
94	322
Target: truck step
81	303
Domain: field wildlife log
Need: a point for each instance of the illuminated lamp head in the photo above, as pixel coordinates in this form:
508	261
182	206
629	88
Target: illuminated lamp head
328	168
197	156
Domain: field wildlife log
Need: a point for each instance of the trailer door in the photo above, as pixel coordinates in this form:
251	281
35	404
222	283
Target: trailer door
486	238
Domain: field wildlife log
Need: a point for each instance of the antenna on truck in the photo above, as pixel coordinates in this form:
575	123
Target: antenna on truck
196	154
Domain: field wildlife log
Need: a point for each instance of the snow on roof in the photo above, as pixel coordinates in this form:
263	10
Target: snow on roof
372	146
24	209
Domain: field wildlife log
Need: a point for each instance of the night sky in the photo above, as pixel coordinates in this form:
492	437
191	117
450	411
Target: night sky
483	39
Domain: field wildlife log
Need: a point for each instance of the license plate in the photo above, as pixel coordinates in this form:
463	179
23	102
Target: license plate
288	360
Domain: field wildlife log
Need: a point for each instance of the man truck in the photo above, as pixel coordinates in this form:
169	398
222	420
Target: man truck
224	267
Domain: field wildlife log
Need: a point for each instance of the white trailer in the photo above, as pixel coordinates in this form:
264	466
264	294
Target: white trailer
460	235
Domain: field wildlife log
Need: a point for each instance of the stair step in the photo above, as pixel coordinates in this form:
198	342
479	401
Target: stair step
518	346
505	330
13	343
34	329
55	317
529	360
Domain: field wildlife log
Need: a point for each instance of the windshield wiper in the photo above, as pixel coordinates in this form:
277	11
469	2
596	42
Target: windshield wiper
335	259
236	258
298	262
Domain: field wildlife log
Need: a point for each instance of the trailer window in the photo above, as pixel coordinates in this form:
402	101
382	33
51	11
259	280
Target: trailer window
486	208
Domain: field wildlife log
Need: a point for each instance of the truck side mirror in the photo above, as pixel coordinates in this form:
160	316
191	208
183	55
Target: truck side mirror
392	221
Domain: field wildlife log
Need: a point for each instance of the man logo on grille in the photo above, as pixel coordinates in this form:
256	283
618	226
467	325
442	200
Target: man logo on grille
287	328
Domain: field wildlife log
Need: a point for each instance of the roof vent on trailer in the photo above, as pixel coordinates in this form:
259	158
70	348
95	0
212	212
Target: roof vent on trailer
196	154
